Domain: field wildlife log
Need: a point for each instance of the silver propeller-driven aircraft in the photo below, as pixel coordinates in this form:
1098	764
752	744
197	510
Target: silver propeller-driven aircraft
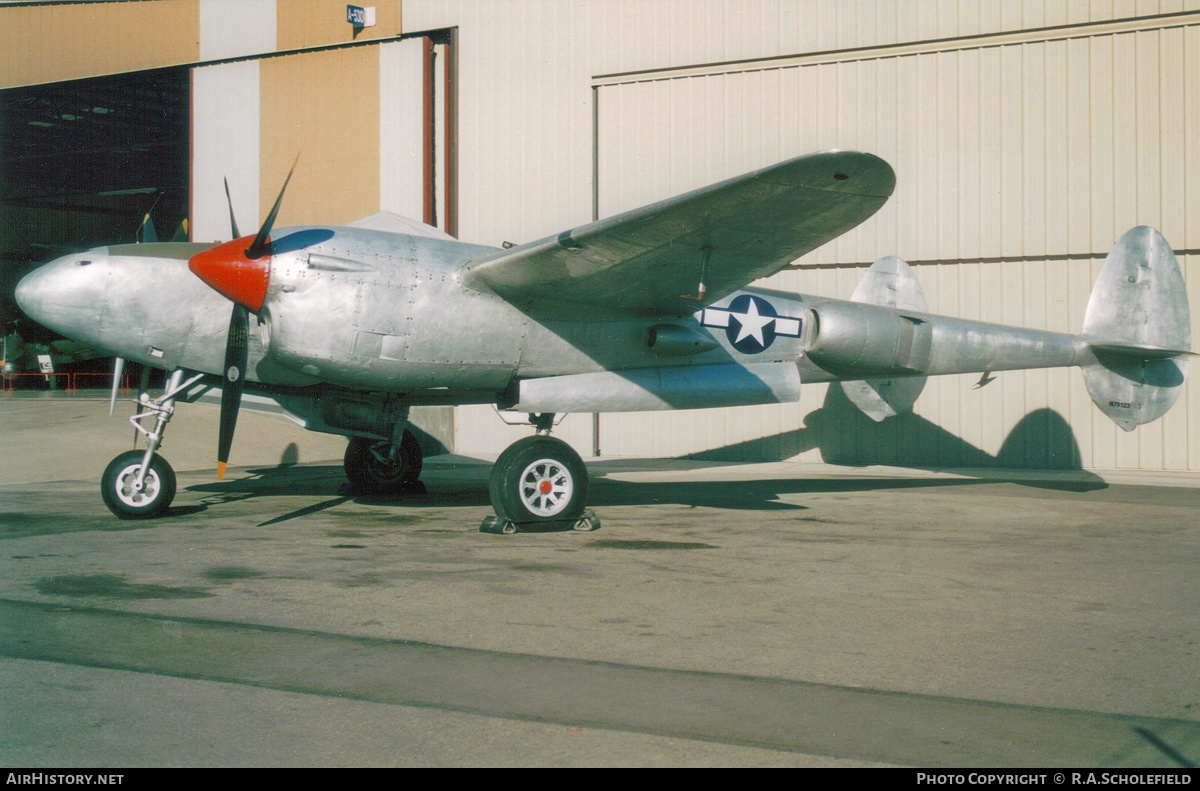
347	328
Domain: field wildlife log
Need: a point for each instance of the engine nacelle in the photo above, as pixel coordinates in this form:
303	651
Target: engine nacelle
857	338
384	328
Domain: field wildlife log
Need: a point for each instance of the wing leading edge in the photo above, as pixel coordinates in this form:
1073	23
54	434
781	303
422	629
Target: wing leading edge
650	260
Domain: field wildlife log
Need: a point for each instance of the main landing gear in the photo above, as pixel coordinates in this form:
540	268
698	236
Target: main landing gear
139	484
380	467
539	482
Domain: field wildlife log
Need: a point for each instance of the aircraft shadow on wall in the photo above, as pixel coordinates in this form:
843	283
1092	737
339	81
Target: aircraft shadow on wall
347	328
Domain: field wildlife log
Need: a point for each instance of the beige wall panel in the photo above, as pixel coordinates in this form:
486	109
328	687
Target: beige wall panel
1173	154
325	107
527	68
70	41
1102	144
236	28
1076	194
1191	138
401	133
314	23
224	153
1055	116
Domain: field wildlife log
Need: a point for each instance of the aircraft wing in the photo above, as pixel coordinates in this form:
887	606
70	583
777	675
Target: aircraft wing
651	260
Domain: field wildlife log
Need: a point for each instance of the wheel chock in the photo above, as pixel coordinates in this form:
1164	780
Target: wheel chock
501	527
586	523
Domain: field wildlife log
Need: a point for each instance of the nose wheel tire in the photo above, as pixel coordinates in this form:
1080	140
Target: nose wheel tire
379	468
539	479
117	486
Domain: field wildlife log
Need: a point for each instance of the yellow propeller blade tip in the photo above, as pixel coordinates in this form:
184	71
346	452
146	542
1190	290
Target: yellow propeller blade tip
221	470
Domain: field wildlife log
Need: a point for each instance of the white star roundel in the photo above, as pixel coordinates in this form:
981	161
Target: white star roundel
751	323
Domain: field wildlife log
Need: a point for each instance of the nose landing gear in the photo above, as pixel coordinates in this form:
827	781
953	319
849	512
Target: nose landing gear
140	484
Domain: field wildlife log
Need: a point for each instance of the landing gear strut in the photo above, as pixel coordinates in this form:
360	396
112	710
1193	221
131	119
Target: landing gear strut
539	482
140	484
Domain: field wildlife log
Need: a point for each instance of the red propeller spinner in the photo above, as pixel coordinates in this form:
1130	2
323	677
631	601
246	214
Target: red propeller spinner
228	269
240	269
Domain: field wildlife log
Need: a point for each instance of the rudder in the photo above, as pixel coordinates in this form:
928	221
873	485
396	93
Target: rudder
889	281
1138	326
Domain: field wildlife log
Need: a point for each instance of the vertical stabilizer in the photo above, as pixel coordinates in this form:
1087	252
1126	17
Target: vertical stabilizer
1139	327
890	282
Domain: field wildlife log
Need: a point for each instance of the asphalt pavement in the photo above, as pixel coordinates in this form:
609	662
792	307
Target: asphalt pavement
777	614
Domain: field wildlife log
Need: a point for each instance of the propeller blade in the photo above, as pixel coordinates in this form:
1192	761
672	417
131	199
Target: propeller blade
231	388
262	244
232	220
118	371
146	233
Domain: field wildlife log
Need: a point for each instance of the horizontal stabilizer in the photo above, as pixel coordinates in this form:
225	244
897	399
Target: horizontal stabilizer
1141	351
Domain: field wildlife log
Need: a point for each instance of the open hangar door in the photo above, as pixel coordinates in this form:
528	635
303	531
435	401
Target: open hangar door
85	163
1020	160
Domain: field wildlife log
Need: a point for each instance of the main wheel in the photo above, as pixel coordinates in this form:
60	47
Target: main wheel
375	466
539	479
158	488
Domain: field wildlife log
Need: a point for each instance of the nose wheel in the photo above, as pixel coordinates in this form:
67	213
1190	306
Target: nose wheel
129	499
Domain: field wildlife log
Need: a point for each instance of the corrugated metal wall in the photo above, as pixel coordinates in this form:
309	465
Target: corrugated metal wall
1026	137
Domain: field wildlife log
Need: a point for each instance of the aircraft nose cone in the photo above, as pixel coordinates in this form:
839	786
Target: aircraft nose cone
32	292
64	295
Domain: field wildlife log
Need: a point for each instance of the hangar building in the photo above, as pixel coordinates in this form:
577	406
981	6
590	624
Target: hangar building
1026	136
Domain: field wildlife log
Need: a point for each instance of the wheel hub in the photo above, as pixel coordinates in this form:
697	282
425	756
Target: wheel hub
546	487
130	493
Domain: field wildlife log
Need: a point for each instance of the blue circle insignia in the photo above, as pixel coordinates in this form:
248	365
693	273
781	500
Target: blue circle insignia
752	326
